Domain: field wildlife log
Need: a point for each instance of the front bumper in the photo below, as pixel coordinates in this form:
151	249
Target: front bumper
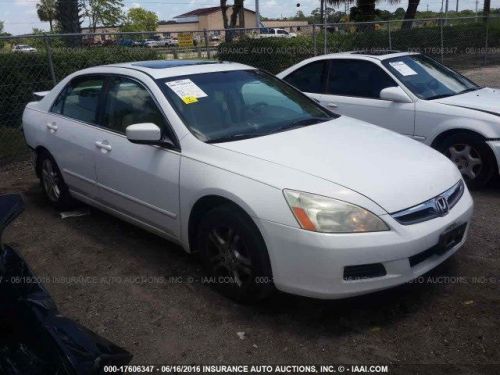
495	147
313	264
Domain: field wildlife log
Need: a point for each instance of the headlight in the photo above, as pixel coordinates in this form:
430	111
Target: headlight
321	214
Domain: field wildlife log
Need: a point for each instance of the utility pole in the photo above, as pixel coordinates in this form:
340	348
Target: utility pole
457	7
446	12
257	14
477	1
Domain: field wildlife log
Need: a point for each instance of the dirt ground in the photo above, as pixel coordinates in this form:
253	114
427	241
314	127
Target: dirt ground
125	287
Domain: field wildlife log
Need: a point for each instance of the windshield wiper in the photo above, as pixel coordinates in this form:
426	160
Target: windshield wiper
235	137
293	125
301	123
467	90
439	96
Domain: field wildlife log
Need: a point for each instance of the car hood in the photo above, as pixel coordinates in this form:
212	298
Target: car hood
485	100
392	170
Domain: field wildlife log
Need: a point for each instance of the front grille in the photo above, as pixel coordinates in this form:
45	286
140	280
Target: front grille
435	207
364	271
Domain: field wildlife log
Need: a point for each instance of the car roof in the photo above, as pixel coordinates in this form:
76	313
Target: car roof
171	68
375	54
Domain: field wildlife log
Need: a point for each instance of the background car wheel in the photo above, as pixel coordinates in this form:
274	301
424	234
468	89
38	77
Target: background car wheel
234	255
52	183
472	156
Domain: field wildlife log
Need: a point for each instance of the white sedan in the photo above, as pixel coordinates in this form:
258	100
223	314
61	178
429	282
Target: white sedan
412	95
23	48
271	189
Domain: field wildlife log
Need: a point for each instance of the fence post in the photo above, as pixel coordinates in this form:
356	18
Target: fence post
486	42
442	39
314	40
325	47
49	57
390	38
205	34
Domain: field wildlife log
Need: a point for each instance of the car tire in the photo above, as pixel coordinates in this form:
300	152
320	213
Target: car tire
472	156
52	182
234	255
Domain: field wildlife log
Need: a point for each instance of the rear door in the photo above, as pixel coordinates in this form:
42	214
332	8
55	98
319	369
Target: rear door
139	181
71	126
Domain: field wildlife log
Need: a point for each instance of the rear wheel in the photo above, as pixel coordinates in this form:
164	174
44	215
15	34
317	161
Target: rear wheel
234	255
472	156
52	183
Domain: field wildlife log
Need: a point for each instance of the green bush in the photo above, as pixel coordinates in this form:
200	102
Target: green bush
271	54
276	54
21	74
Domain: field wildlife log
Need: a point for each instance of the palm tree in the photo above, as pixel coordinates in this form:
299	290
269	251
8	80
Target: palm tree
367	9
486	9
410	14
46	11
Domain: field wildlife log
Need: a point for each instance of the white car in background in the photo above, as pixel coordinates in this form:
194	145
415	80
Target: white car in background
267	32
269	187
24	48
413	95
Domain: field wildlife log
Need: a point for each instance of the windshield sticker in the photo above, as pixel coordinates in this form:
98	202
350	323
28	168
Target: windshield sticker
403	69
187	90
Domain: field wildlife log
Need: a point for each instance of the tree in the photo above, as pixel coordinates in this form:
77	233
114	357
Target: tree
102	12
237	16
68	16
399	13
46	11
410	14
299	16
486	9
140	19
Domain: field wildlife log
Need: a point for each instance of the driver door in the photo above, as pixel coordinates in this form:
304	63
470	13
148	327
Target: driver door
139	181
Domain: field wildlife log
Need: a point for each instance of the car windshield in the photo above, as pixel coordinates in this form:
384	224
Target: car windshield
427	78
232	105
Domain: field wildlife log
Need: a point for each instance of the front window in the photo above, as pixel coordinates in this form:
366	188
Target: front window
128	103
232	105
427	78
358	78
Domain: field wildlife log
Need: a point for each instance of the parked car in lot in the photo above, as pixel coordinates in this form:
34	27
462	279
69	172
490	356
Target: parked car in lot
129	43
270	188
23	48
153	43
168	42
413	95
267	32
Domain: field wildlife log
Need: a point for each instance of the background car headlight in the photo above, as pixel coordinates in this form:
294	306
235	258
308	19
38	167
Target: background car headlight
321	214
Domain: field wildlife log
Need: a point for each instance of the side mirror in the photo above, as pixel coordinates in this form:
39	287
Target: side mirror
394	94
146	134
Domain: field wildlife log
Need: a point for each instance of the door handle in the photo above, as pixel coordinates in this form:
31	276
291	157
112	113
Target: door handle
331	105
52	126
103	145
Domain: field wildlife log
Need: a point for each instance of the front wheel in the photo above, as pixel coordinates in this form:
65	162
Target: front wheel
234	255
472	156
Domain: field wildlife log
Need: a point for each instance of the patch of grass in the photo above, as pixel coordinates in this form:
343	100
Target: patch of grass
12	144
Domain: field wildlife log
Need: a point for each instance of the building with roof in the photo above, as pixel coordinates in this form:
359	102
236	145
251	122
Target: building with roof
210	18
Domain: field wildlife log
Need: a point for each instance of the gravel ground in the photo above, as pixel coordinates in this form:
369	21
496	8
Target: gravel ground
451	317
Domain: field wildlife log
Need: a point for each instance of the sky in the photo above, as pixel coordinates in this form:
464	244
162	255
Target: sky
19	16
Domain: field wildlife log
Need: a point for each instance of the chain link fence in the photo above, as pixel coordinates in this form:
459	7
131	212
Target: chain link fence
37	62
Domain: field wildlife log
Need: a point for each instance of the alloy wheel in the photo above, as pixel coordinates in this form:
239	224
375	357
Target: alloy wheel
467	159
50	180
229	257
